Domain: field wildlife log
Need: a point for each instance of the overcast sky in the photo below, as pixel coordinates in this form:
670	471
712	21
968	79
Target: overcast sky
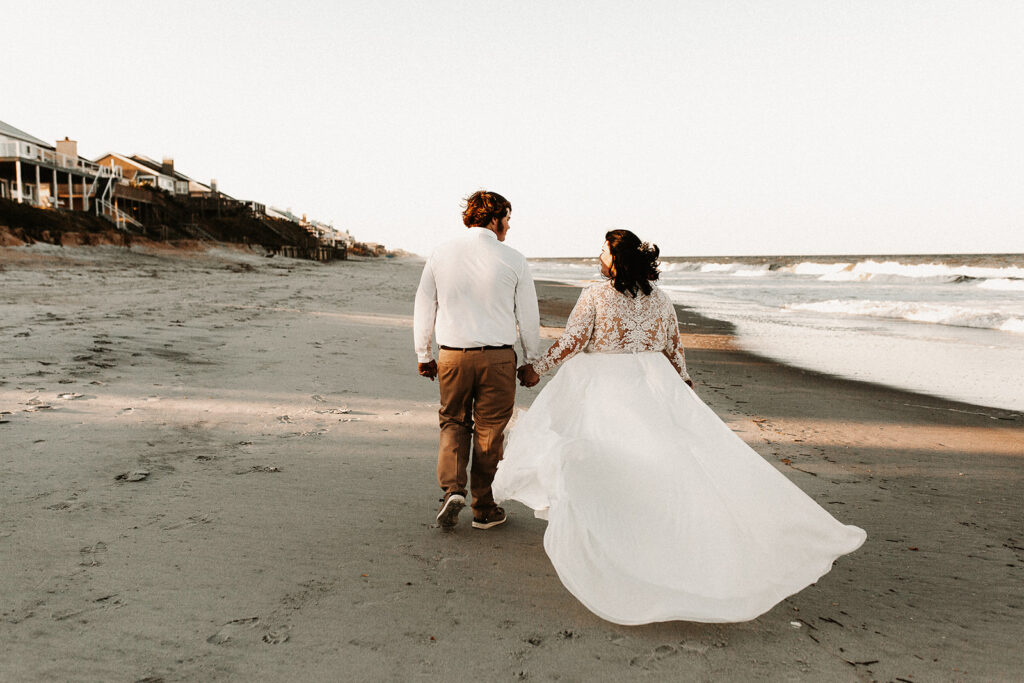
708	127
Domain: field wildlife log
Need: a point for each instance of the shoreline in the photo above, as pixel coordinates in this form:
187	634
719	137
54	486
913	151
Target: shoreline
703	334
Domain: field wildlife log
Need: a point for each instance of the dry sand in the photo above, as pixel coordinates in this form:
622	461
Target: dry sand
219	466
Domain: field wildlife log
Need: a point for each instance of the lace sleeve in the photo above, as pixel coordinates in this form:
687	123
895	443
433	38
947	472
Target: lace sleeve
578	330
674	346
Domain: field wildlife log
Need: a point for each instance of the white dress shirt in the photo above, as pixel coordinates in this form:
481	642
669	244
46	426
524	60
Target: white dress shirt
473	292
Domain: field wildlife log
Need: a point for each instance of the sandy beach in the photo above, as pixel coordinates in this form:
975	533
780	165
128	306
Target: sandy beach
216	465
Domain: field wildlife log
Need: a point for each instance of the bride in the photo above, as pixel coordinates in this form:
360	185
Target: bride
656	510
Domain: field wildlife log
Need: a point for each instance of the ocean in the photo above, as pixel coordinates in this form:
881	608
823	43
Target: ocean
944	325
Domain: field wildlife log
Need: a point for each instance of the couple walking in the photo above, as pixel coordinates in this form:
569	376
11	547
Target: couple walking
656	511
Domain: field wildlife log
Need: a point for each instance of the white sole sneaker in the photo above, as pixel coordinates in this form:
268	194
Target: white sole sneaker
488	525
449	514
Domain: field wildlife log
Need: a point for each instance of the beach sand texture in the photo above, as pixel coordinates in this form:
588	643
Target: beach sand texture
219	466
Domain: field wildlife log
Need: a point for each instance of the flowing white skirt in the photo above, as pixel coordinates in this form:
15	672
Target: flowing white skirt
656	510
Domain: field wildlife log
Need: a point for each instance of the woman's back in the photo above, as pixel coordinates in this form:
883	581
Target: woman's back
605	320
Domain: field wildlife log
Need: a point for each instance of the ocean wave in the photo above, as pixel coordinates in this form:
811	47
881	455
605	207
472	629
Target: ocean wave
815	268
956	316
735	269
719	267
681	266
894	270
1003	284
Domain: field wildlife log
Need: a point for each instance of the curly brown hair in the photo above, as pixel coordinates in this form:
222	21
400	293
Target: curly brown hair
482	207
634	263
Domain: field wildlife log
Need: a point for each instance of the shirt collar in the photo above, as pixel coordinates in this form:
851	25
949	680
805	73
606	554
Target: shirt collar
476	230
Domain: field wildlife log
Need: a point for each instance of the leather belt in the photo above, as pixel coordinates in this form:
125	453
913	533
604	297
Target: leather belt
476	348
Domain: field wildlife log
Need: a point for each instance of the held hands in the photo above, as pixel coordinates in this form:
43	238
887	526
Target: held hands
428	370
527	376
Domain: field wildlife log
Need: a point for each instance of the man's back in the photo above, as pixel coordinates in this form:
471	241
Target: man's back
475	291
476	278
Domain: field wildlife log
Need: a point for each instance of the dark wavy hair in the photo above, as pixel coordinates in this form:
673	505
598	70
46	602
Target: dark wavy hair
634	263
482	207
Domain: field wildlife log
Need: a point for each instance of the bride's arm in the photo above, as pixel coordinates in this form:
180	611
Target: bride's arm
578	330
674	346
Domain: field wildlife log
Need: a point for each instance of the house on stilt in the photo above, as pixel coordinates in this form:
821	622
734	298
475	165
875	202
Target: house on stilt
35	172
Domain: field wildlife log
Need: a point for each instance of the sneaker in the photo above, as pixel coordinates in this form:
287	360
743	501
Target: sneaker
449	514
493	517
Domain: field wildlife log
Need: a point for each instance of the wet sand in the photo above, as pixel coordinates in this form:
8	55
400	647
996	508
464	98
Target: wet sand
219	466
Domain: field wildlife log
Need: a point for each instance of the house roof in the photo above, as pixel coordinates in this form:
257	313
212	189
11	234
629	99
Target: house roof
151	163
12	132
156	166
159	167
130	161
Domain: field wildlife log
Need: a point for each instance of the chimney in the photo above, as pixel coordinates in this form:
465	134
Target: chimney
68	147
213	185
167	167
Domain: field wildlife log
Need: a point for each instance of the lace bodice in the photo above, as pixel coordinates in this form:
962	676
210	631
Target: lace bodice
605	321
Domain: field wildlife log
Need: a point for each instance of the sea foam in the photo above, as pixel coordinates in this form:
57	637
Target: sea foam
1003	284
957	316
891	270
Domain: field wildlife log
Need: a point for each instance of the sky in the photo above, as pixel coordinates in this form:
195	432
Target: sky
709	128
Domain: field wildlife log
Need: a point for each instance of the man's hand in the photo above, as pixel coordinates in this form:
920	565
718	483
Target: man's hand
527	376
428	370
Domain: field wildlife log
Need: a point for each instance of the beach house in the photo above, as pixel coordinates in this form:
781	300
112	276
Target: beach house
149	198
139	174
34	172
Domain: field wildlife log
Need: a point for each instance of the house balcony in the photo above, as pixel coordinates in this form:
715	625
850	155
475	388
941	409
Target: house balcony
16	150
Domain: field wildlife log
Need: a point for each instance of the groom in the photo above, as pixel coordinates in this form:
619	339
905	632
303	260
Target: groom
474	291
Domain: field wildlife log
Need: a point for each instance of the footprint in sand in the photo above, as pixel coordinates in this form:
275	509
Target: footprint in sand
277	636
191	521
343	410
272	469
232	630
90	552
652	658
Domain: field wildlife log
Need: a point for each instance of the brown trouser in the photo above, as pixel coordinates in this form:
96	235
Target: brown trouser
478	392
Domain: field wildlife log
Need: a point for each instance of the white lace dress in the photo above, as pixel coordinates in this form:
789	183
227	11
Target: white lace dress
656	510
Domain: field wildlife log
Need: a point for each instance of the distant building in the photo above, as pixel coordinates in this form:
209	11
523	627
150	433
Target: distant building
325	232
139	174
35	172
126	190
328	233
283	214
183	184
